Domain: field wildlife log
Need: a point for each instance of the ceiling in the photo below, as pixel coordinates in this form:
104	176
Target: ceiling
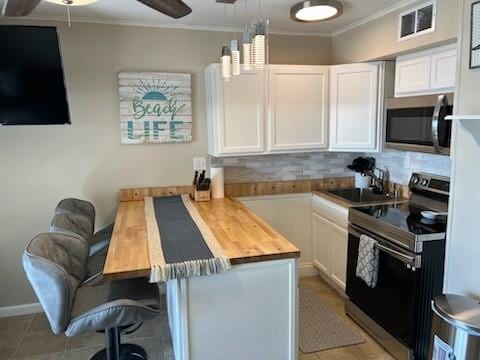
209	15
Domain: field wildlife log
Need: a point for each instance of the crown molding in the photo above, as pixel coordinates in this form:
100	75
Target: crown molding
176	26
401	4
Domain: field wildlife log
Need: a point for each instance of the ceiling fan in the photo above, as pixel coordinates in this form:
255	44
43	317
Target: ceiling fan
173	8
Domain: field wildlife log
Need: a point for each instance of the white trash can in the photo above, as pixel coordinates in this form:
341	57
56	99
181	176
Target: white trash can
455	328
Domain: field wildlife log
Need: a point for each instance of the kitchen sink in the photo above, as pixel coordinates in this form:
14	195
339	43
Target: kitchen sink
361	196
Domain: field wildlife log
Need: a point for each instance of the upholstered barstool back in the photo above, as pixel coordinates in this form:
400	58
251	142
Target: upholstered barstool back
73	224
77	207
55	265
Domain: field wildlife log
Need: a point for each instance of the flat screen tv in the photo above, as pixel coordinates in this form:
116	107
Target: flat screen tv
32	85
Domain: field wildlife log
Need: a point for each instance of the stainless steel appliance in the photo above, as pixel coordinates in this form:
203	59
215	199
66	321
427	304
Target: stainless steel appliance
411	249
418	123
455	328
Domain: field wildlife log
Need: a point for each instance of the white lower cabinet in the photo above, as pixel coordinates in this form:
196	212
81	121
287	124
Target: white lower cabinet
339	239
321	243
330	240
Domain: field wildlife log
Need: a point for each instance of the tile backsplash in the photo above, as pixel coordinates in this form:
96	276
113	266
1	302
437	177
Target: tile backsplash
277	167
305	166
401	164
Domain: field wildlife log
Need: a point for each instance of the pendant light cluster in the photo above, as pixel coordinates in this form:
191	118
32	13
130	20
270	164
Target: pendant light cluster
254	44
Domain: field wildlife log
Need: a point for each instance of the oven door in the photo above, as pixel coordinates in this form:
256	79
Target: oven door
391	304
418	124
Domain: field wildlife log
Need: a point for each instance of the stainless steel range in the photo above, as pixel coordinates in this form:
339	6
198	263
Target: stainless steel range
410	240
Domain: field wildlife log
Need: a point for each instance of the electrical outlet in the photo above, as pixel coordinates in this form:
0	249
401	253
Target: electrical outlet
199	164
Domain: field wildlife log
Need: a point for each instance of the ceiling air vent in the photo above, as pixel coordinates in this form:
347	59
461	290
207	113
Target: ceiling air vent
417	21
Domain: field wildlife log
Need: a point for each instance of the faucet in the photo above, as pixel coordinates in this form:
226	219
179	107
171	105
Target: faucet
378	185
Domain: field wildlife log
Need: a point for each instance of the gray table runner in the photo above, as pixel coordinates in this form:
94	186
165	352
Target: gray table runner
180	243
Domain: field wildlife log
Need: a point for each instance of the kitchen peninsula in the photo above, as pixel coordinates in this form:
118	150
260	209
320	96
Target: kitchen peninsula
245	313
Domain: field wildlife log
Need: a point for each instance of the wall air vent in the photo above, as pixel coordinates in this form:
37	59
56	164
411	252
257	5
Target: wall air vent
417	21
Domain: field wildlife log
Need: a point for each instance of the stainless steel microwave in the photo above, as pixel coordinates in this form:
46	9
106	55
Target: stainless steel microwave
418	123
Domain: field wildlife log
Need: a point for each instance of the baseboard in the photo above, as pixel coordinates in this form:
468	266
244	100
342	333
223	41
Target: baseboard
17	310
307	269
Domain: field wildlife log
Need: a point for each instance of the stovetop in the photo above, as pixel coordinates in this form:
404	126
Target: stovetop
359	196
407	218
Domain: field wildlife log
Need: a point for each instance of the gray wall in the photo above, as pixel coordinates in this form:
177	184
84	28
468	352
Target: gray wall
463	242
41	165
378	39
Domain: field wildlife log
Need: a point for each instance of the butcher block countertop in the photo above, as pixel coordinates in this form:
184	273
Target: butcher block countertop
243	236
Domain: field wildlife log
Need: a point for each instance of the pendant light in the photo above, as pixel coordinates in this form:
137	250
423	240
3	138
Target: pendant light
247	42
225	59
259	43
316	10
225	63
235	50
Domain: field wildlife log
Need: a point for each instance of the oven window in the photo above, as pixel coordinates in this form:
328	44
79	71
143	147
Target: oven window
414	126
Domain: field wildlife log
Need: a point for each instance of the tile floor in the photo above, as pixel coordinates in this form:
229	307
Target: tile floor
29	338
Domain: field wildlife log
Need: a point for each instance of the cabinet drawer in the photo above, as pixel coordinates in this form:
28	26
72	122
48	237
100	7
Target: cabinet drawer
329	210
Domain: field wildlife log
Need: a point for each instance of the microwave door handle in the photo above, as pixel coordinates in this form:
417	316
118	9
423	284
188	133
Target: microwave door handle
441	102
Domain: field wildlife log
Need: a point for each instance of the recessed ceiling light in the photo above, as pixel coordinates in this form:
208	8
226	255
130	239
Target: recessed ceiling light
316	10
72	2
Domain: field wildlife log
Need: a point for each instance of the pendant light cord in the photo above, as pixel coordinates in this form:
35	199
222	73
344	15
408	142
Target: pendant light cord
68	16
226	23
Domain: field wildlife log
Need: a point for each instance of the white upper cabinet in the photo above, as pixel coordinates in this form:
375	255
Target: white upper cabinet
444	67
427	72
235	112
412	75
297	108
354	107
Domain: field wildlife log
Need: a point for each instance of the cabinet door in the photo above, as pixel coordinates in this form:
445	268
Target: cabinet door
412	75
242	113
297	108
321	243
354	93
444	66
339	240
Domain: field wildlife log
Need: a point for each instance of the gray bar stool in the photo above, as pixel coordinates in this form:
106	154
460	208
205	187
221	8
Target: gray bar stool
80	226
85	208
55	265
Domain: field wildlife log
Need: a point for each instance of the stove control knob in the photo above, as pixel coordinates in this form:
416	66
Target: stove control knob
415	179
424	182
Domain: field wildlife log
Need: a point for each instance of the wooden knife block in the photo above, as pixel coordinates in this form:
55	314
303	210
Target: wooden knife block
201	195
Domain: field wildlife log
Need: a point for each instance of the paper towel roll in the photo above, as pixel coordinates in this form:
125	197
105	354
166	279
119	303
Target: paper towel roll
217	185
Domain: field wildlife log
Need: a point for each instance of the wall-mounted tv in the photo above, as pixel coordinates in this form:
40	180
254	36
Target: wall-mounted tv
32	84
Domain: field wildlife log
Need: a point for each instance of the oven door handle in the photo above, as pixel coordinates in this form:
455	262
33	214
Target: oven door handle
441	102
412	262
409	260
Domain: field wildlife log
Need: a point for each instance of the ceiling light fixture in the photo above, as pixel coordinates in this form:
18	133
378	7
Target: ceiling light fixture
72	2
316	10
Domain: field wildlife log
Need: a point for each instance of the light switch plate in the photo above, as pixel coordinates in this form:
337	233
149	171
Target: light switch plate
199	163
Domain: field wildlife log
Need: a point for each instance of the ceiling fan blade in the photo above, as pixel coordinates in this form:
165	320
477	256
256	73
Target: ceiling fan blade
19	7
173	8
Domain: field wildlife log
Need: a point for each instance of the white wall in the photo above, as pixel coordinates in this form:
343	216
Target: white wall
41	165
463	243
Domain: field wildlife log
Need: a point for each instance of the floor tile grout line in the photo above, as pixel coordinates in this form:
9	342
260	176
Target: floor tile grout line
23	335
